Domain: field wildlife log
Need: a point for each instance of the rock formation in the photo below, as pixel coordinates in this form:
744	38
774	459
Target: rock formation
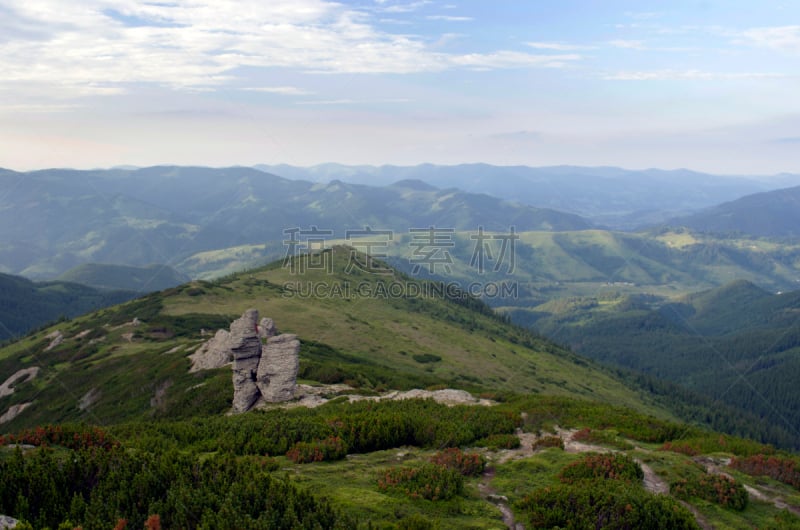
261	372
215	353
277	372
246	350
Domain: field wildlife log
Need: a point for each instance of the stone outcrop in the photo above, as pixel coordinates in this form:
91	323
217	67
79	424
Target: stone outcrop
8	522
261	372
214	353
277	372
246	349
266	328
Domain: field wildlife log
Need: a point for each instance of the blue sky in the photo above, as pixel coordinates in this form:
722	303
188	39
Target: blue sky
708	85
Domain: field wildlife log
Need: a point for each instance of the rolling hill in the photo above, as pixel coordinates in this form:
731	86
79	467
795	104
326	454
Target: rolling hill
738	343
25	305
369	338
769	214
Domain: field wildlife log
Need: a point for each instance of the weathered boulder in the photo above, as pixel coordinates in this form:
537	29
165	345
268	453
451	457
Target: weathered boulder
8	522
277	371
246	349
214	353
266	328
261	373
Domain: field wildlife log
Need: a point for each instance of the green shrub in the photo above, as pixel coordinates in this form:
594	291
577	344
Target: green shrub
499	441
423	358
603	466
606	504
718	489
781	468
332	448
591	436
429	481
544	442
468	464
717	443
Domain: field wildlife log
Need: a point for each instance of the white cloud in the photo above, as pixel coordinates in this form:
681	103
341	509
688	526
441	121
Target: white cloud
558	46
449	18
105	46
781	38
283	90
628	44
406	8
689	75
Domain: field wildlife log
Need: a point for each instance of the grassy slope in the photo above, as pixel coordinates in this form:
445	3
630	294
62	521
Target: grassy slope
369	341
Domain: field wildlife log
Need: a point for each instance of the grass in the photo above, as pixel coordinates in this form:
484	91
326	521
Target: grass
352	485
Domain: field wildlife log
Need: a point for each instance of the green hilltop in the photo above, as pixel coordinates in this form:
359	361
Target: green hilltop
375	331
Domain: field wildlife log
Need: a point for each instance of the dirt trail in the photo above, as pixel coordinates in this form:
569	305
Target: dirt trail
489	494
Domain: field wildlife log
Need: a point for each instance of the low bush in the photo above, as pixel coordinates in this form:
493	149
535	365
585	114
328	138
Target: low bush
544	442
596	504
468	464
591	436
429	481
718	489
781	468
603	466
499	441
332	448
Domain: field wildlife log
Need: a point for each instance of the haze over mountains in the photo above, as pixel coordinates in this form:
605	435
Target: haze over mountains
609	196
54	220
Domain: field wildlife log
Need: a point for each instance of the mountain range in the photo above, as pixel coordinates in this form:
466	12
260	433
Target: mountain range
53	220
609	196
769	214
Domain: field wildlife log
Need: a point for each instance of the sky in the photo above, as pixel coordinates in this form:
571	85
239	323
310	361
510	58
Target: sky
709	85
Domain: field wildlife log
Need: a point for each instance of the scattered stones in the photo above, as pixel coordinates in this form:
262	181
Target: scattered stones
56	338
14	411
88	399
20	376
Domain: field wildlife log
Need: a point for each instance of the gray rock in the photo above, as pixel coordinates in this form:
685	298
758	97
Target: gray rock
214	353
260	373
277	372
266	328
8	522
246	349
245	390
244	340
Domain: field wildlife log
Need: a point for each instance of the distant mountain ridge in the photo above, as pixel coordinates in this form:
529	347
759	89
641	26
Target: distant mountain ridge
53	220
140	279
24	304
614	197
769	214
